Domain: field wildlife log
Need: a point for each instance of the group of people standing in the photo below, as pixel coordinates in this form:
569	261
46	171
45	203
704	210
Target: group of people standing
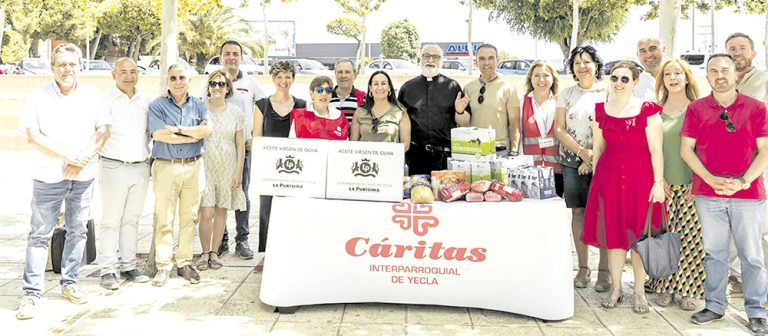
623	153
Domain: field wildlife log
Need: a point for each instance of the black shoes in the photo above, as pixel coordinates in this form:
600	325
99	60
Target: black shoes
189	273
223	248
705	316
757	326
243	250
109	281
135	276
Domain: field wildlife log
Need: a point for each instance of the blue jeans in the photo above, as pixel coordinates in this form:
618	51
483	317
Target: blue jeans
720	218
241	217
46	206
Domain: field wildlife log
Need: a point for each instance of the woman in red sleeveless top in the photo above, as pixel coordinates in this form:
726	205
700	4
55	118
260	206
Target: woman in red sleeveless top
319	120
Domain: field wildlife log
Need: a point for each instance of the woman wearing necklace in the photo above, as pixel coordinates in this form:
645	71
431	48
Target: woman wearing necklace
538	115
223	159
382	118
573	129
628	178
319	120
676	87
272	118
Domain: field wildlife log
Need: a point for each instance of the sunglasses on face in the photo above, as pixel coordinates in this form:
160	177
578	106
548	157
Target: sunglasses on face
213	84
175	78
624	79
375	125
320	89
729	125
481	99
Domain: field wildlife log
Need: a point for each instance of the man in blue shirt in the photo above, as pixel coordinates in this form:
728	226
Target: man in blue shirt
178	122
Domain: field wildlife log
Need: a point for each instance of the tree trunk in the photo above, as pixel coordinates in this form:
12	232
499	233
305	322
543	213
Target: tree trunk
2	27
361	49
765	40
669	11
96	42
137	48
469	36
34	49
169	48
266	37
575	28
132	45
565	49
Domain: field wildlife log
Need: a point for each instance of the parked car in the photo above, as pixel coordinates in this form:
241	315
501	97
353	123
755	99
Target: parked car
34	66
249	66
309	67
96	67
514	67
607	67
697	61
453	67
154	67
393	67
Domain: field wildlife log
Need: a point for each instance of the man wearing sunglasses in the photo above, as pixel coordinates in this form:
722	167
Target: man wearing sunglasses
246	92
494	103
435	105
650	53
178	123
725	142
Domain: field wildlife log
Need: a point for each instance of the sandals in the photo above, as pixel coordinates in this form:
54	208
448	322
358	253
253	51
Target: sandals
665	299
688	303
641	304
202	263
603	283
214	264
610	302
582	279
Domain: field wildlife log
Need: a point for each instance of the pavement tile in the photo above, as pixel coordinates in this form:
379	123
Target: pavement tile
367	329
487	317
640	332
441	315
253	311
591	331
296	328
439	330
378	312
14	287
625	318
253	278
583	317
681	320
193	308
507	331
246	292
315	314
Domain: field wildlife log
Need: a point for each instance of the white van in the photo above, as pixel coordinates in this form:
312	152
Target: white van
698	62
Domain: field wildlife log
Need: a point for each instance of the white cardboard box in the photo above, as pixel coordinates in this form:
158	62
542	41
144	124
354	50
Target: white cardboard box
473	144
371	171
289	167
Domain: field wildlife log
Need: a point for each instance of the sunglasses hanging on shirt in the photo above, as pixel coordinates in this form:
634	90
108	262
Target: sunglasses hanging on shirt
481	99
729	125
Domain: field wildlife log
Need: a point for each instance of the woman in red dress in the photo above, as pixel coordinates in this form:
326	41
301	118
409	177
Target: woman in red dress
628	175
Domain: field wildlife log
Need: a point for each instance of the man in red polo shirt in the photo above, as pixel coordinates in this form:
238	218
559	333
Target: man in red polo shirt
725	142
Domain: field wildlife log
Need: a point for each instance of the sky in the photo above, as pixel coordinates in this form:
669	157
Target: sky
445	21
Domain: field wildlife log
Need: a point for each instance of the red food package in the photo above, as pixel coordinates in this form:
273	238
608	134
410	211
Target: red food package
481	186
474	197
454	192
490	196
511	193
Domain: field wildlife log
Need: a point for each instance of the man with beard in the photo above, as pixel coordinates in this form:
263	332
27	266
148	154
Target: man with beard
345	97
435	105
494	103
729	188
650	52
753	83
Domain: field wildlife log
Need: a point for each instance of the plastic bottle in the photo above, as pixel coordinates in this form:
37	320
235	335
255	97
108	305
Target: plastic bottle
406	182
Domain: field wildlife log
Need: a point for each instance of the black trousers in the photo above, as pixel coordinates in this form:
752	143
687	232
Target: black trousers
422	161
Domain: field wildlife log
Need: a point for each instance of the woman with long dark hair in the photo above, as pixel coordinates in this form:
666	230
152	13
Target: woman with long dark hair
381	118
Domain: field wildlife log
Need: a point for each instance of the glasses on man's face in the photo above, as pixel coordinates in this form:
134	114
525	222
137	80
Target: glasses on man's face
326	90
481	99
375	125
729	125
214	84
624	79
175	78
428	57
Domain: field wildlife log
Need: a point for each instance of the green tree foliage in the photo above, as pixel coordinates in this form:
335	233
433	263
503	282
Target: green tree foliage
361	9
550	20
739	6
346	27
133	21
14	47
400	39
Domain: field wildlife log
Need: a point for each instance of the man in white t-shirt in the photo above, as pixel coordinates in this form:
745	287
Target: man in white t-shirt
650	52
66	127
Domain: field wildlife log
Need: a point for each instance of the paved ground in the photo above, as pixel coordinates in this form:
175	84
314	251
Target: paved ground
226	302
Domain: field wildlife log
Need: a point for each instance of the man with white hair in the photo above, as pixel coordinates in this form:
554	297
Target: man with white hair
435	104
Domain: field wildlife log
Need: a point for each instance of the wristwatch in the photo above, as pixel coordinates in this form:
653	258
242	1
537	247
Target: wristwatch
744	184
178	129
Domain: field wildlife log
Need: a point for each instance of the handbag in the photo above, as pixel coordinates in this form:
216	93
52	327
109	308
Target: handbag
661	252
58	240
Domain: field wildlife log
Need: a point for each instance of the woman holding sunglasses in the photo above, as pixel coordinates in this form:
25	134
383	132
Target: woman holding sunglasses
319	120
628	178
272	118
381	119
676	88
223	158
573	129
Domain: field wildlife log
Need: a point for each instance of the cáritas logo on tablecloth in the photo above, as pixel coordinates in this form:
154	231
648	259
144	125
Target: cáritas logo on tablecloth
414	216
365	168
289	165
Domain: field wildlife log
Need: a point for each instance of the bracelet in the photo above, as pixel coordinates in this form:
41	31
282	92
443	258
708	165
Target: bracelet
459	113
579	151
658	181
